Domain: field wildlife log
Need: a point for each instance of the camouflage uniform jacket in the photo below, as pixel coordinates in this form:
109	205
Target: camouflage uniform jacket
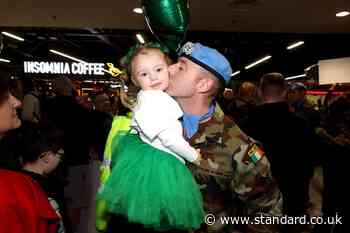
227	173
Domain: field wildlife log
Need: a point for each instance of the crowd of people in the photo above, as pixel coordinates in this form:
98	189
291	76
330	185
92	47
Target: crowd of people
179	147
311	137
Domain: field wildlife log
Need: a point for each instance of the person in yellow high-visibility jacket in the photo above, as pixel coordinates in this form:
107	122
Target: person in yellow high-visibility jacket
120	125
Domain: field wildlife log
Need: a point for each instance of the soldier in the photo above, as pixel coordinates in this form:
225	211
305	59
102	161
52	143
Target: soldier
233	167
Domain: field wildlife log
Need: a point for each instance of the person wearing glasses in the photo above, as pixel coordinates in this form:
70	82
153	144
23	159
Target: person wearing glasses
41	154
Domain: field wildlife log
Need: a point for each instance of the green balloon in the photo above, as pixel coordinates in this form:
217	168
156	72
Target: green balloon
167	20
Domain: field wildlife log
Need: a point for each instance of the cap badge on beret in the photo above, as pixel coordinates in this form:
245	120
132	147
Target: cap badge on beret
187	48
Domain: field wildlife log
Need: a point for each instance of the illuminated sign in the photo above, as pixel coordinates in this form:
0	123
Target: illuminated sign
34	67
114	71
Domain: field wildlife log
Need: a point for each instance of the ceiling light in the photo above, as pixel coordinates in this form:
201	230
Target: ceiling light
4	60
295	77
295	45
235	73
67	56
12	36
138	10
140	38
310	67
342	14
258	62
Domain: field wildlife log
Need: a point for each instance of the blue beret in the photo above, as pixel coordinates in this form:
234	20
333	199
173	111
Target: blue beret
208	58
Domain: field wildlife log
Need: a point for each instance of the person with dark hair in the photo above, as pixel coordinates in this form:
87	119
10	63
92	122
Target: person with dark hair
77	125
287	140
9	105
335	135
24	206
301	106
9	120
41	154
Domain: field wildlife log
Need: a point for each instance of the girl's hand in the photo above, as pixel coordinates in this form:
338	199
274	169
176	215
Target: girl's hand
199	157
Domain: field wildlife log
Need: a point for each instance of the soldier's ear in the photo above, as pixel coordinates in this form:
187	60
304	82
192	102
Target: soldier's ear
205	84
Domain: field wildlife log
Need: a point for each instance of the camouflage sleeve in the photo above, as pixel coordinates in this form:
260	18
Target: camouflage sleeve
252	179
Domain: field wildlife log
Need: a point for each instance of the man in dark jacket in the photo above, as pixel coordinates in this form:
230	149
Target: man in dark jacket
287	140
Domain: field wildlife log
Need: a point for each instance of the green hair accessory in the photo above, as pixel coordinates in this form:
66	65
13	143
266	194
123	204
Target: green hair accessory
134	50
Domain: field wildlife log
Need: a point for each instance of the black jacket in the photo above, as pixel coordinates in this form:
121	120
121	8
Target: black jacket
290	147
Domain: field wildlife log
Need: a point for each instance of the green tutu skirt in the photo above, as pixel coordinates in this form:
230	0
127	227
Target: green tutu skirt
151	187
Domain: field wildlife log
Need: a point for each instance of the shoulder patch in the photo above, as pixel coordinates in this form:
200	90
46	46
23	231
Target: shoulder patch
253	154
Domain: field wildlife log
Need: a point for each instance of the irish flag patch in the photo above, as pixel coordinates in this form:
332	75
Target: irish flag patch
255	153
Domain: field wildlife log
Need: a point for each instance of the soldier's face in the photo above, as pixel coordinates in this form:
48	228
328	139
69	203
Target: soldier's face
184	76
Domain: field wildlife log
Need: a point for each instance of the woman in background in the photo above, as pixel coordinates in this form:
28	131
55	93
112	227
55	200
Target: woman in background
24	206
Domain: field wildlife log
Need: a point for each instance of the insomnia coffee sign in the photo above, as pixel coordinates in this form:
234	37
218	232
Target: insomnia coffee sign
35	67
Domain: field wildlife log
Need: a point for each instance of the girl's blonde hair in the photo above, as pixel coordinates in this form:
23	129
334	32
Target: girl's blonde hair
137	49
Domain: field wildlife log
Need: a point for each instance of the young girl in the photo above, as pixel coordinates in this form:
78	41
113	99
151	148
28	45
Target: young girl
149	183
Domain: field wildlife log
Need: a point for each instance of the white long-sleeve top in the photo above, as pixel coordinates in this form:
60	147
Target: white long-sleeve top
156	120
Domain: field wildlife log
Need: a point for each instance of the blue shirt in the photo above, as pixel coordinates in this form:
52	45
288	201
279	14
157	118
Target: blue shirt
190	122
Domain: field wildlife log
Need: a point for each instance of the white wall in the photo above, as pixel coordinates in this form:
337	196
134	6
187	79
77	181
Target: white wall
334	71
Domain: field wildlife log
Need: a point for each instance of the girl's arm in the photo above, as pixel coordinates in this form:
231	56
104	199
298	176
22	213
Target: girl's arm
178	145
